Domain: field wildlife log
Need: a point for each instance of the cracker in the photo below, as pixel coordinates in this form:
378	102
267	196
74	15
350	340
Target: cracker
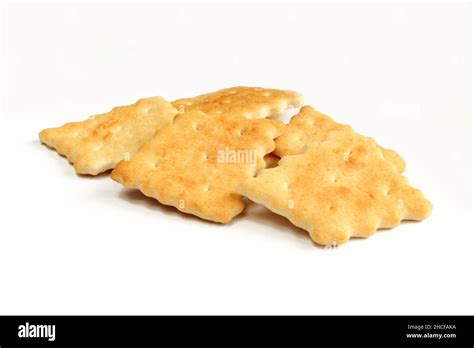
196	163
99	143
250	102
338	188
310	126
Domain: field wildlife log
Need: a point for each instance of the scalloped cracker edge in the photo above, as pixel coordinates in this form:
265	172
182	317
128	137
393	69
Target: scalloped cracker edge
249	102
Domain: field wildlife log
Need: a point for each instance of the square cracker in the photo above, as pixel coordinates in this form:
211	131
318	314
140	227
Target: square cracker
99	143
309	126
250	102
338	188
196	163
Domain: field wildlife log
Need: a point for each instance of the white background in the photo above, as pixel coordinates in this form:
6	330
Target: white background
73	245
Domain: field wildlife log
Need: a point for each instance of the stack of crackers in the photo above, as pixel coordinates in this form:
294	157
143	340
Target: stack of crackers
203	155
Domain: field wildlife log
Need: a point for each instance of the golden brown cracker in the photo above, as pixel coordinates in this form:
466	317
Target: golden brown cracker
250	102
310	126
99	143
339	188
196	163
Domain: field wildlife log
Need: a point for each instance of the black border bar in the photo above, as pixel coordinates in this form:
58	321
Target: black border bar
222	330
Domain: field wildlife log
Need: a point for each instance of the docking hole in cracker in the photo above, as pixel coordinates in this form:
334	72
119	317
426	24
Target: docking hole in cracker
196	163
100	142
